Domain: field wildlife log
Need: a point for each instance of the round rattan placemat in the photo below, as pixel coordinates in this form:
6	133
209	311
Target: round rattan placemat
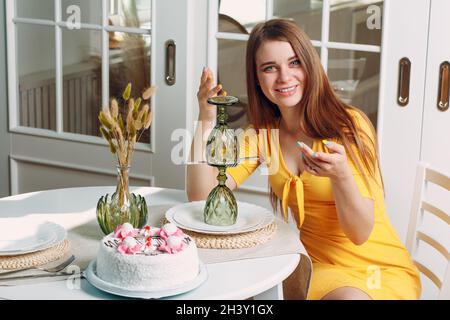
35	259
232	241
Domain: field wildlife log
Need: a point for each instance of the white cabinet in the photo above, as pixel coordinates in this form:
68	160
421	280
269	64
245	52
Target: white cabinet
420	130
436	122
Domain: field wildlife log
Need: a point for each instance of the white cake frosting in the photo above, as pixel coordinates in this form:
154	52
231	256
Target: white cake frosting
148	258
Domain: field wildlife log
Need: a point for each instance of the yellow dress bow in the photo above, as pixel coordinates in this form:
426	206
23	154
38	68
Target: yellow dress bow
298	186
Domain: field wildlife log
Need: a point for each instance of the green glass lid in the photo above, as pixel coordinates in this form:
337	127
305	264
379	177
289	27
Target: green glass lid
223	100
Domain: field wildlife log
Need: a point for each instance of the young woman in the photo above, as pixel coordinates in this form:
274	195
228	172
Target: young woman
327	168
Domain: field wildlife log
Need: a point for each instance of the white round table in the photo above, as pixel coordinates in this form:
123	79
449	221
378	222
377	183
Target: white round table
260	278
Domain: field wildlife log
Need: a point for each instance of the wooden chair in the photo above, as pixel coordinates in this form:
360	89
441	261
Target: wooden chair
421	206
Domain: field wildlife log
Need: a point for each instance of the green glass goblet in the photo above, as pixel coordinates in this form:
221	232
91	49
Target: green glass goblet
222	151
221	206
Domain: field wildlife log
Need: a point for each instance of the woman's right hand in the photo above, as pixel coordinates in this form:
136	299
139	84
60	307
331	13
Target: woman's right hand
207	90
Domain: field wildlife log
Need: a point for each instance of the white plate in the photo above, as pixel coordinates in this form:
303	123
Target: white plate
91	275
189	216
19	237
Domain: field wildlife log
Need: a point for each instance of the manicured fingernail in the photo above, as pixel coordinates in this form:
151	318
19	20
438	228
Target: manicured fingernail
315	155
326	142
300	144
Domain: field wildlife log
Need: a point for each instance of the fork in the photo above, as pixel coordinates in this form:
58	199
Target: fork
80	275
57	268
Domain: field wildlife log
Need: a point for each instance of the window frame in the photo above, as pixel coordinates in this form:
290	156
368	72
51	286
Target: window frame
324	44
13	85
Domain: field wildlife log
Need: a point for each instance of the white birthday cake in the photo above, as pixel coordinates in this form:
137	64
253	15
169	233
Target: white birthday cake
147	259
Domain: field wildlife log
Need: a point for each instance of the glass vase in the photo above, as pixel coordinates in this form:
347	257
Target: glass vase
122	206
221	206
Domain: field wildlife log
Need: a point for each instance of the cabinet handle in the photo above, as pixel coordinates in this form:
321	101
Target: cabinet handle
170	62
403	81
443	86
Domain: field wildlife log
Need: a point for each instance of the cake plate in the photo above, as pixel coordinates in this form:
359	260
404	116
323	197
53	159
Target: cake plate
91	275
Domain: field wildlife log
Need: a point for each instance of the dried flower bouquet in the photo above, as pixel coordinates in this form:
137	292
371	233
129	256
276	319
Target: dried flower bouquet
122	136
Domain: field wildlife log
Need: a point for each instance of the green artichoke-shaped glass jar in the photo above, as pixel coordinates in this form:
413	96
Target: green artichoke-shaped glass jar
221	206
222	151
122	206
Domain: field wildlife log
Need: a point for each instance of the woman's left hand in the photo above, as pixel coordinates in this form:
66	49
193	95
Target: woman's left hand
333	165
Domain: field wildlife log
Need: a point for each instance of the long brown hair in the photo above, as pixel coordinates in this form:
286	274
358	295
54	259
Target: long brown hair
323	114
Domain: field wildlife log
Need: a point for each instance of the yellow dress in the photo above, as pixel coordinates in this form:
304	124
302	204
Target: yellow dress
381	267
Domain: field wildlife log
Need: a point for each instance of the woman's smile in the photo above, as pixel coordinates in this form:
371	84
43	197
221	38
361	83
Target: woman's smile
287	91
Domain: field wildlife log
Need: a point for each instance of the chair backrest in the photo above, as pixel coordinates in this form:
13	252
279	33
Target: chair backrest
421	206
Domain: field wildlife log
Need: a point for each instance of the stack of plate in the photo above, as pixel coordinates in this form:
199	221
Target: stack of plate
189	216
18	237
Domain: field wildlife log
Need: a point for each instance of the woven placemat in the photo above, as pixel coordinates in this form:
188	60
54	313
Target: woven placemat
232	241
35	259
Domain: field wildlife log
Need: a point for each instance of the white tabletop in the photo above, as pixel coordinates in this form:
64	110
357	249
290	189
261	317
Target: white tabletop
240	279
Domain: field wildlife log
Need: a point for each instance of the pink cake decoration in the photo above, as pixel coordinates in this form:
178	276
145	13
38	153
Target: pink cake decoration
149	240
168	230
173	244
125	230
129	245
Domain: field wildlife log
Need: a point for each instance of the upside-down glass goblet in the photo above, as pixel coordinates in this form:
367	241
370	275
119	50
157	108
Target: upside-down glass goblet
222	151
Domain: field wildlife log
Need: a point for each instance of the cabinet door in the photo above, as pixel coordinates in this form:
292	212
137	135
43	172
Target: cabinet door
399	127
436	119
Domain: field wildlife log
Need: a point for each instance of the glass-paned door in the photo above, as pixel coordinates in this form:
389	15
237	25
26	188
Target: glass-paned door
346	34
66	59
72	56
